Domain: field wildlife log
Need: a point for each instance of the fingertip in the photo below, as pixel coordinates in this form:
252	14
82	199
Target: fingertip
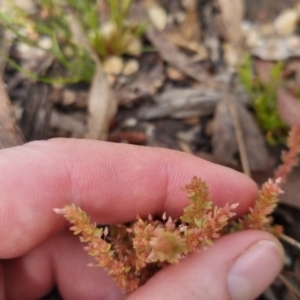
254	269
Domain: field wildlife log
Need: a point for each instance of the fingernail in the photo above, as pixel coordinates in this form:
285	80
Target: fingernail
254	270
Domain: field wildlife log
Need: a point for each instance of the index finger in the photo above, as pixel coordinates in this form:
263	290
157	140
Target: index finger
113	183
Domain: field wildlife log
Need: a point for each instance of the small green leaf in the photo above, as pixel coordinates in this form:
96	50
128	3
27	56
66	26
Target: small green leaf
198	222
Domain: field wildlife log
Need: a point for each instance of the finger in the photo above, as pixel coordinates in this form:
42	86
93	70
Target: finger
201	275
111	182
62	260
238	266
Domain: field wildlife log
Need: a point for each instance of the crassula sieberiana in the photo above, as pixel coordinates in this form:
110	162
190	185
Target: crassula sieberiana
132	253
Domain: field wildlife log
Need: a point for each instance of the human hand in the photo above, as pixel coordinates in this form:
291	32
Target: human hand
113	184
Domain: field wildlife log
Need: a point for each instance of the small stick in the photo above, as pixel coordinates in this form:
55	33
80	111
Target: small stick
293	291
290	240
239	136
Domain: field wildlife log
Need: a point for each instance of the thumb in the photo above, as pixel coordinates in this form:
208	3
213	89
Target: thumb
239	266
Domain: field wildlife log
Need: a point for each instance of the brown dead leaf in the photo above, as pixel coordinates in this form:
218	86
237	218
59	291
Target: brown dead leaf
288	107
35	121
210	157
174	57
224	141
176	38
142	84
182	103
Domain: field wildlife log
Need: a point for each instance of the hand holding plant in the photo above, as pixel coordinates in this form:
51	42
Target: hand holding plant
113	184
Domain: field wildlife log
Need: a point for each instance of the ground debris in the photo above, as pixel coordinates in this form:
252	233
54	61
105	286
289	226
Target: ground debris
224	142
182	103
142	84
173	56
10	135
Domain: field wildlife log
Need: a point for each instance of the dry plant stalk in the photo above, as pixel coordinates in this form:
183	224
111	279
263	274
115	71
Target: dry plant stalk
133	253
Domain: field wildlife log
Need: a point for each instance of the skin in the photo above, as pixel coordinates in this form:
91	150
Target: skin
113	184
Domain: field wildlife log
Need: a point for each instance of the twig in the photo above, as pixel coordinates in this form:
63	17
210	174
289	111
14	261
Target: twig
174	57
290	241
239	136
293	291
80	37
